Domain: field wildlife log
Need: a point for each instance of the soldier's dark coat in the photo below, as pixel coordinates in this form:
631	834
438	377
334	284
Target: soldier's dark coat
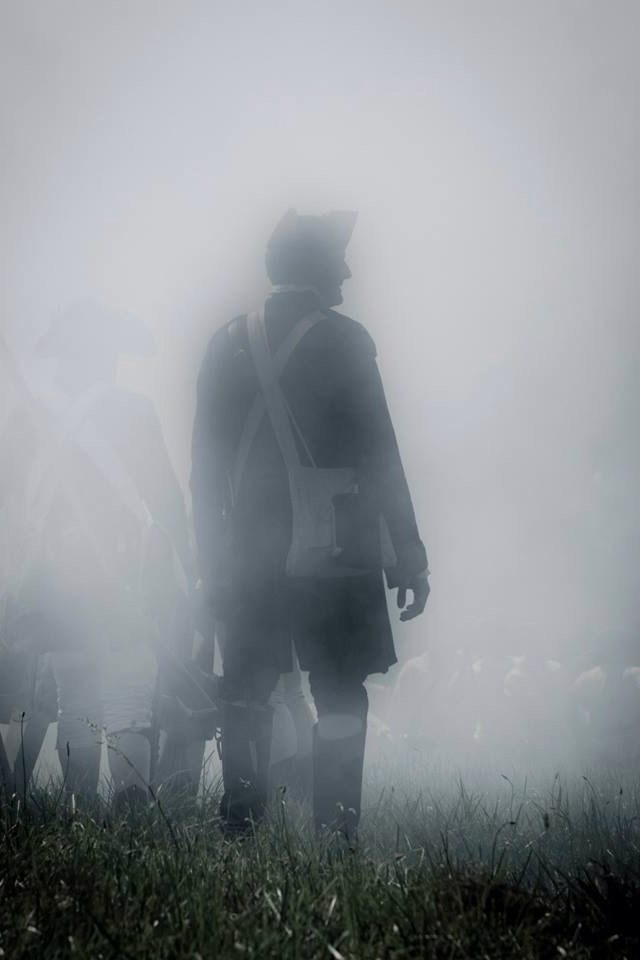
333	387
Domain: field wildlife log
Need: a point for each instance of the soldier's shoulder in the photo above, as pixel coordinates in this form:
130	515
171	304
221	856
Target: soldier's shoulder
129	407
350	336
221	339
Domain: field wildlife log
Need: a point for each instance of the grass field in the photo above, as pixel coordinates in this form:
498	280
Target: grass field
443	868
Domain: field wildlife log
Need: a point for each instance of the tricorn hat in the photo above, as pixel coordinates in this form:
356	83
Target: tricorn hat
89	326
300	241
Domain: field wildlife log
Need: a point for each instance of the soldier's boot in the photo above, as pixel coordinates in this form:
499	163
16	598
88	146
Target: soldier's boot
171	771
338	763
262	733
294	775
6	774
32	740
302	769
129	753
246	746
195	755
237	767
181	749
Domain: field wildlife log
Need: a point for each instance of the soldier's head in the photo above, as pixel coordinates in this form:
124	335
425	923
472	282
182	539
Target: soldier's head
87	339
309	251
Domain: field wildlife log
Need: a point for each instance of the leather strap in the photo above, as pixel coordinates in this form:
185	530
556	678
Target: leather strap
258	408
271	392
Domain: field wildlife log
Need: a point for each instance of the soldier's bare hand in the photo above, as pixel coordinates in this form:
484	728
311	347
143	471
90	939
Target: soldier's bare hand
419	586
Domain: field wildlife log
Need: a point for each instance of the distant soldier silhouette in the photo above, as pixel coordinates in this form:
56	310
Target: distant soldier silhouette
17	665
300	501
104	587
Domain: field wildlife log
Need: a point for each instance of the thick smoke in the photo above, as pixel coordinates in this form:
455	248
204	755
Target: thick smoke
492	151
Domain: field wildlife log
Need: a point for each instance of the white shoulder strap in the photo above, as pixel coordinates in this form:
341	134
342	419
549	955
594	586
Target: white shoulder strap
52	471
271	392
43	473
78	429
257	410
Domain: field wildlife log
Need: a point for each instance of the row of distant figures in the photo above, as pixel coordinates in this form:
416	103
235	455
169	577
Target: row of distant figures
528	711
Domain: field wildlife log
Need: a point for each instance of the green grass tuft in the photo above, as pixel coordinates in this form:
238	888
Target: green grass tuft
450	871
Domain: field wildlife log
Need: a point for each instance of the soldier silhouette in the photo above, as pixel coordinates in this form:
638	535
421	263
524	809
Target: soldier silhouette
105	581
300	501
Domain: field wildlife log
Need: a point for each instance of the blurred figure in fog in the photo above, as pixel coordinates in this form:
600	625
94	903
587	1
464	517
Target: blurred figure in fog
605	700
102	508
432	710
17	663
535	711
460	708
290	401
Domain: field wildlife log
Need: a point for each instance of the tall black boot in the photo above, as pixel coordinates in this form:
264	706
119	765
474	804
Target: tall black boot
295	776
262	732
337	780
171	768
246	747
35	731
6	773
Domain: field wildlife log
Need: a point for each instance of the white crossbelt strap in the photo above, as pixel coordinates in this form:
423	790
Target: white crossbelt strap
277	365
51	473
273	398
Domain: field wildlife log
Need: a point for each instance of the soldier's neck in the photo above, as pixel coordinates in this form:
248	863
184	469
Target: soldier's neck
327	299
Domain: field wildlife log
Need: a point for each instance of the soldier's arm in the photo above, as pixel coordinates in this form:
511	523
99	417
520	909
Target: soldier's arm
380	465
155	477
209	479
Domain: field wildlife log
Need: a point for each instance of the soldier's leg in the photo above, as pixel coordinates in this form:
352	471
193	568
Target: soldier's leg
172	769
284	741
185	716
6	710
79	720
293	734
338	749
185	679
16	710
130	764
247	724
204	656
39	714
128	692
35	731
6	778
